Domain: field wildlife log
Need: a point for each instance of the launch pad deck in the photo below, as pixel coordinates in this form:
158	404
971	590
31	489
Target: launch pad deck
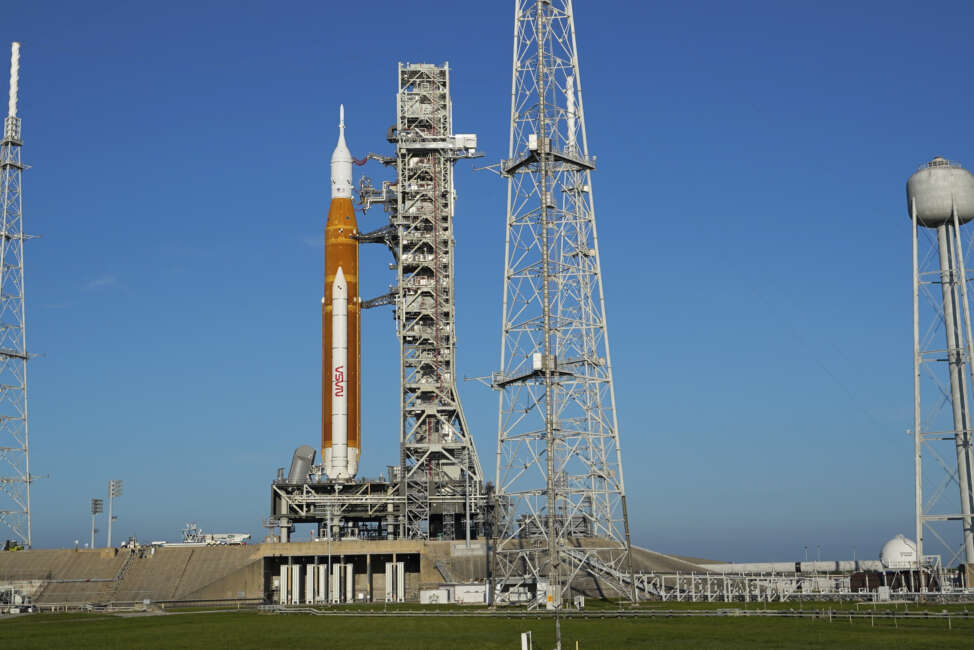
372	509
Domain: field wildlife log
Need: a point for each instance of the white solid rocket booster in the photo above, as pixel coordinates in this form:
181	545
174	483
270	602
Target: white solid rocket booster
339	377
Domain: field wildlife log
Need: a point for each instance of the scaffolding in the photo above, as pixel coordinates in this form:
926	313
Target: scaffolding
562	505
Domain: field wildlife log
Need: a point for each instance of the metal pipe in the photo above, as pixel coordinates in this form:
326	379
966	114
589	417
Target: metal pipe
466	474
969	346
14	79
958	384
917	411
554	579
110	517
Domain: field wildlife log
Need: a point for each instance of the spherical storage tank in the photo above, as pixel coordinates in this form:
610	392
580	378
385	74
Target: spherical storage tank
937	187
899	553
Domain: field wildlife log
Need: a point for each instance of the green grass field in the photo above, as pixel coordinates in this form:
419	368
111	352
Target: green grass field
252	630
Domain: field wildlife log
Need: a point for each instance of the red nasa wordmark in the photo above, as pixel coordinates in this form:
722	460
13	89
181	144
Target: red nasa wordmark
340	381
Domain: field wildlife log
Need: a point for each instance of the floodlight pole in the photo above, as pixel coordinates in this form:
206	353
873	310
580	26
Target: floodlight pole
97	506
114	490
111	518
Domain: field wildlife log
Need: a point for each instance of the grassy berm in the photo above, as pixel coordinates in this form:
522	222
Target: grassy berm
251	630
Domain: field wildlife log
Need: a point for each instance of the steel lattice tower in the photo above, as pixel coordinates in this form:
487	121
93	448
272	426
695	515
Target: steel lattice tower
940	199
440	473
14	439
559	471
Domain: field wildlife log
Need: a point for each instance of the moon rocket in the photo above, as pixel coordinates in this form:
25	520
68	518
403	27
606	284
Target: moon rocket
341	395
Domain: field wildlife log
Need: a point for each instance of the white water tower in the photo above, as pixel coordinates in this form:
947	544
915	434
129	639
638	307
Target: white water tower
940	200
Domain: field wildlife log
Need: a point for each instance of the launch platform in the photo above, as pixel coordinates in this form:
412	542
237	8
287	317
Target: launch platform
375	509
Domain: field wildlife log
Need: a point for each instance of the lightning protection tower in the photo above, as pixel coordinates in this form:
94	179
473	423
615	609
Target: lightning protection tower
440	475
559	470
14	441
940	200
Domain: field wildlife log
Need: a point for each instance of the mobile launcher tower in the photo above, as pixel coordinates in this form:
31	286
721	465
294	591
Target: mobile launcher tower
437	490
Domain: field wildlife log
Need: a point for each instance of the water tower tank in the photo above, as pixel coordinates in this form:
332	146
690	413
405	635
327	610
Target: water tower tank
936	187
899	553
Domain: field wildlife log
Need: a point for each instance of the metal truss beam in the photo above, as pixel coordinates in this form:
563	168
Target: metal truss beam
15	475
943	379
559	470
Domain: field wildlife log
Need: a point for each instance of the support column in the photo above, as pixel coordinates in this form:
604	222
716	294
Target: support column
295	584
368	572
958	384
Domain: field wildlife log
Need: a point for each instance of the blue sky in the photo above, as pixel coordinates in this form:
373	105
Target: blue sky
750	201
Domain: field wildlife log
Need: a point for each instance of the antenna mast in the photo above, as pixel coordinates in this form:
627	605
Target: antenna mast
560	490
14	439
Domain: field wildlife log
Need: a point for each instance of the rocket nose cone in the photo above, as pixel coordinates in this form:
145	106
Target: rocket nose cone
341	163
339	288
